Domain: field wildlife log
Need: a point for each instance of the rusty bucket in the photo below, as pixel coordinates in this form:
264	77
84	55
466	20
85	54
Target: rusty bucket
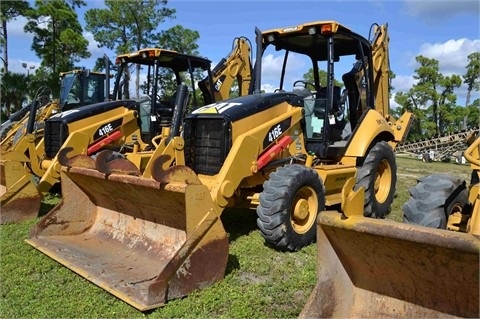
375	268
143	241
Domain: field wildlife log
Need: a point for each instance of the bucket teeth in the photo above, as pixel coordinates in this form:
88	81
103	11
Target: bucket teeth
174	174
110	162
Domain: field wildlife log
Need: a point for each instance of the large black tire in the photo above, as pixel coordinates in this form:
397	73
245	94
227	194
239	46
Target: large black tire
289	204
434	199
378	176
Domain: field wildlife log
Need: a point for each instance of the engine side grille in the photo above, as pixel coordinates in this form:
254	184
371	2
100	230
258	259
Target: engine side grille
207	142
56	133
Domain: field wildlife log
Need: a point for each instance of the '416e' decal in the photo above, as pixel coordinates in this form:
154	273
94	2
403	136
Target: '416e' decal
275	131
107	128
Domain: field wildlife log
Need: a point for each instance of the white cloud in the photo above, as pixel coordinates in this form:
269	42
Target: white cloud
451	55
15	27
272	67
452	59
93	46
403	83
268	88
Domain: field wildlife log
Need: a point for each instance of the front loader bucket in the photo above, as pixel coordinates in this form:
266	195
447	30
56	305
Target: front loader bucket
140	240
19	197
375	268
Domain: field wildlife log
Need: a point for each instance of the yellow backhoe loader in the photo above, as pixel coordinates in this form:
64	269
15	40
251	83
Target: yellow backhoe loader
78	88
288	154
426	267
23	132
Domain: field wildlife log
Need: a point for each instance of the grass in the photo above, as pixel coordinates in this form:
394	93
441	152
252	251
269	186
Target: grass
260	282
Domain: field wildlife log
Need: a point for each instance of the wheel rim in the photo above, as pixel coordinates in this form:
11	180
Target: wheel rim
304	210
383	181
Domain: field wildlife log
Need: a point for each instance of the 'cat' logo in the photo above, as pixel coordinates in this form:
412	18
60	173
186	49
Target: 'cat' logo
216	107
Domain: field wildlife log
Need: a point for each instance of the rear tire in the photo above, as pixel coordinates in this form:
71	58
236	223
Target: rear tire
378	176
289	204
434	199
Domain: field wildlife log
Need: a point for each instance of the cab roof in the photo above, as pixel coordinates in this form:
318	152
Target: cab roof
166	58
311	39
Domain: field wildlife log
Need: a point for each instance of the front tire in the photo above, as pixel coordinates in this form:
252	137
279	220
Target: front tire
378	176
289	204
434	199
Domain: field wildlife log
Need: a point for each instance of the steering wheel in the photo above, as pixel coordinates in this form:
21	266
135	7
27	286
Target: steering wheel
305	84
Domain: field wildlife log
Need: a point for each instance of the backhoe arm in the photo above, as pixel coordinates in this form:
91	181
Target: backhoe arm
381	69
236	66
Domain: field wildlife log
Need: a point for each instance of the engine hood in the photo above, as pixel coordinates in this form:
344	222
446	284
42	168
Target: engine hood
241	107
71	116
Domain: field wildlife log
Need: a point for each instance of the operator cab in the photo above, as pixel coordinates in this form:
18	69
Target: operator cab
323	53
166	85
81	87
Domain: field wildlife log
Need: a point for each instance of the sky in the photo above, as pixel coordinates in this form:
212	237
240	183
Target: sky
445	30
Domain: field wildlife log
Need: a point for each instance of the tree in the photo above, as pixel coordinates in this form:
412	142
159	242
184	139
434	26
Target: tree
179	39
471	114
408	103
322	77
58	38
184	41
434	93
9	10
127	26
13	91
447	104
472	77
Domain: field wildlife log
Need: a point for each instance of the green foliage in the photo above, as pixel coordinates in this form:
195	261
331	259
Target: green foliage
13	92
57	36
126	26
433	101
472	76
309	77
471	114
179	39
184	41
57	33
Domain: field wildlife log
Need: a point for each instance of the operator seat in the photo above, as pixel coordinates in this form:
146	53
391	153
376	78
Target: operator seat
353	93
336	129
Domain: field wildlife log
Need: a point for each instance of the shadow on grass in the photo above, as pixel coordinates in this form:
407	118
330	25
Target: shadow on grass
239	222
50	201
232	264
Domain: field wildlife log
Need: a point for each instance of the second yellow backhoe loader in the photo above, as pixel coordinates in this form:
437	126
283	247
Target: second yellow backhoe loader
426	267
136	128
23	132
78	88
30	168
287	153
